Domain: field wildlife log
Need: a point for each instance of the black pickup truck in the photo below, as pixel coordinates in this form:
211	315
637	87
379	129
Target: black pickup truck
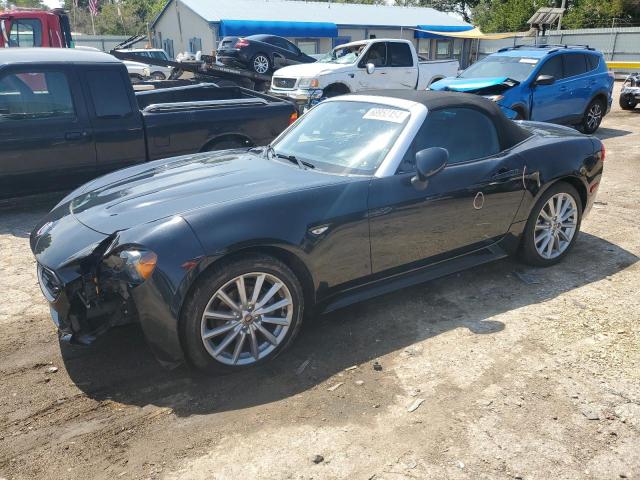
68	115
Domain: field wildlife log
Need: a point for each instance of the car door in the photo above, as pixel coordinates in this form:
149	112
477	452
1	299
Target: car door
550	102
575	69
401	71
45	137
293	55
376	54
115	116
471	203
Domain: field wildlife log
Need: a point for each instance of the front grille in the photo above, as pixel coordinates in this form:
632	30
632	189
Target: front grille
284	82
50	284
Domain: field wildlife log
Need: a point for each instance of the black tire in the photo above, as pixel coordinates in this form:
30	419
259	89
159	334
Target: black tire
627	102
596	109
261	63
207	286
135	78
528	251
158	76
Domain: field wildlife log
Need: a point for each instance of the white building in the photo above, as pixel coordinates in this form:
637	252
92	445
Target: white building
316	27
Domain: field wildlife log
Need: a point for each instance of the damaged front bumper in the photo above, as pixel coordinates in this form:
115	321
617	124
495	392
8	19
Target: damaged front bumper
94	281
84	302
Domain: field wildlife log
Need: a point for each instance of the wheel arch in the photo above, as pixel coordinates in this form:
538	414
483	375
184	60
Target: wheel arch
341	86
522	108
242	140
285	255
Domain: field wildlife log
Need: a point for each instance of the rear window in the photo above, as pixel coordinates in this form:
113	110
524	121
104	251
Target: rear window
400	55
574	64
35	95
593	61
109	95
25	33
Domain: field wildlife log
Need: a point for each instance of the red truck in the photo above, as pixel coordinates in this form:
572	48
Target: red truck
35	28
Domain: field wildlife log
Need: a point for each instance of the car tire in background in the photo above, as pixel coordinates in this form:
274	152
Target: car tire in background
553	226
158	76
627	102
260	63
228	325
135	78
593	116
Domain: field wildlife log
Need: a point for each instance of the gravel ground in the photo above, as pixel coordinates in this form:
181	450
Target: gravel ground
499	372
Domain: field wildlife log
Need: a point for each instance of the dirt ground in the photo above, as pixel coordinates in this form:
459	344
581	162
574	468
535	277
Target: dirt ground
516	373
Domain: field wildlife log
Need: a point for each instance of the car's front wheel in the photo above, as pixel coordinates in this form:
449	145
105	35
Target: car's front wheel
553	226
593	116
243	312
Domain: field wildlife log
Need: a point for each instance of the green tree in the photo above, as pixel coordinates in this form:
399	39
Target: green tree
24	4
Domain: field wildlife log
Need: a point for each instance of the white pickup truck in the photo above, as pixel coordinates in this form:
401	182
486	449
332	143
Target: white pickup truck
379	64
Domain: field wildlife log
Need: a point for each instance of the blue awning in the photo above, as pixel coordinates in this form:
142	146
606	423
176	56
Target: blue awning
239	28
441	28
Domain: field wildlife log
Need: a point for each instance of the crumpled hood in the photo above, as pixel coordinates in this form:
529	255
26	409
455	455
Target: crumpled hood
166	188
310	69
467	84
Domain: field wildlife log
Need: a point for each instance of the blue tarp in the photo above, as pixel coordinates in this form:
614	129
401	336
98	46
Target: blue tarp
441	28
239	28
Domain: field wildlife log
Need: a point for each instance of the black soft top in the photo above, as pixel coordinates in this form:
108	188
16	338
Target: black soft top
509	132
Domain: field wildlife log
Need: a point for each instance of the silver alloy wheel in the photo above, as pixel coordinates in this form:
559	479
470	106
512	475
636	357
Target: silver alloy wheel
556	226
247	318
261	64
594	116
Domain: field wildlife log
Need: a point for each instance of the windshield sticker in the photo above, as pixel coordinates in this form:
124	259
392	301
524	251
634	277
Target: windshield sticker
532	61
386	115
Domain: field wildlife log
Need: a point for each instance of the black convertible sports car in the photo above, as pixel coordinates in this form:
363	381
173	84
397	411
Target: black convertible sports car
219	255
260	53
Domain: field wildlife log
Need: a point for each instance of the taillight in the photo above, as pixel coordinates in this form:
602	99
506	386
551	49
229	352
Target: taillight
241	43
293	117
602	153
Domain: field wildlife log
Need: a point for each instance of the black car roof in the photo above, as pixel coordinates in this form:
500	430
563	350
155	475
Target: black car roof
53	55
510	133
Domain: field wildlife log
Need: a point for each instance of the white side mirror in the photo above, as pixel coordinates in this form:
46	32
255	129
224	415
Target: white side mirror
371	68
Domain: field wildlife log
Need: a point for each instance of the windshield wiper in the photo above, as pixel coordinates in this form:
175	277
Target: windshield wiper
292	158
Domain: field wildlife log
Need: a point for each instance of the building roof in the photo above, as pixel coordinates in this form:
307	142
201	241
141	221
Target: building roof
53	55
338	13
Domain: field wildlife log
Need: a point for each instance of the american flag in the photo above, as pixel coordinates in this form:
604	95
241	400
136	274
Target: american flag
93	7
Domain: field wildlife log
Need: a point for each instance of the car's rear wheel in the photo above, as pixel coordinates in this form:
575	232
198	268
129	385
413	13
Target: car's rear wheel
553	226
593	116
260	63
627	102
242	313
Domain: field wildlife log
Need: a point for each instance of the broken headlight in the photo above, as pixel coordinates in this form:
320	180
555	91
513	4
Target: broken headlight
133	265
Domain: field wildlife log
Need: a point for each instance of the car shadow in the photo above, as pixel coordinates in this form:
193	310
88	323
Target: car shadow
122	368
604	133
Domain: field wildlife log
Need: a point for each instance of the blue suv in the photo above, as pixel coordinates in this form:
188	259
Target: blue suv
549	83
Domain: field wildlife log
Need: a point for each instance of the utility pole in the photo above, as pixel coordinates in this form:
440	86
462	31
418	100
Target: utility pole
563	6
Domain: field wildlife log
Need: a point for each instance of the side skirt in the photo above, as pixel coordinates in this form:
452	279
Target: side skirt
413	277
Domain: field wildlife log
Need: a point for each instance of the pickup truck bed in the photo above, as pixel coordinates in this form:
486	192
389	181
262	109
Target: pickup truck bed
68	116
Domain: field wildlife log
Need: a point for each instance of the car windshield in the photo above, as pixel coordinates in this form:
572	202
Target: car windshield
344	137
343	55
516	68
